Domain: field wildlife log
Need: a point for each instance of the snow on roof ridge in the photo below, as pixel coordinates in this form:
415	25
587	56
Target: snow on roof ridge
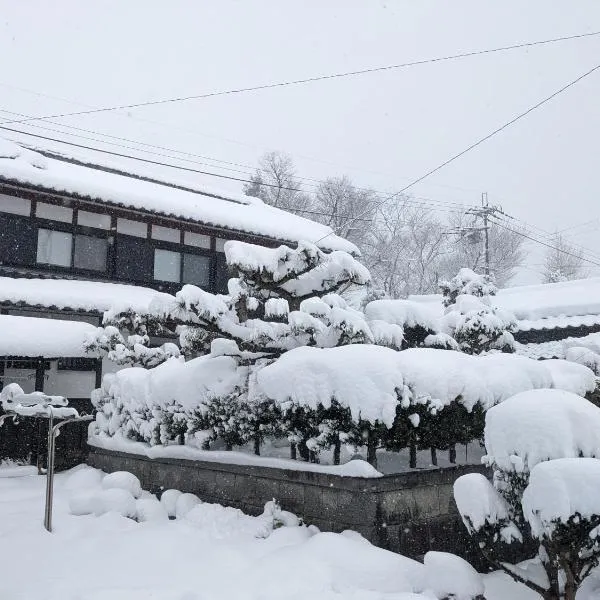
50	338
116	171
254	217
75	294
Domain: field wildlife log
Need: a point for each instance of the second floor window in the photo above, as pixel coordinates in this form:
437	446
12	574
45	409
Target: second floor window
62	249
54	247
176	267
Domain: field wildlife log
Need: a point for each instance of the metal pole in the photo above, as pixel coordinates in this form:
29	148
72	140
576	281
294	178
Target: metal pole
49	472
52	433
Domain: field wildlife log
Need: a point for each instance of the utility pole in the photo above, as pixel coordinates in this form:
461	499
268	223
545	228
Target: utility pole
485	207
473	233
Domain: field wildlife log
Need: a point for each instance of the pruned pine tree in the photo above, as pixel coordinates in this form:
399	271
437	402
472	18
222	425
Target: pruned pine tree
472	321
543	503
282	298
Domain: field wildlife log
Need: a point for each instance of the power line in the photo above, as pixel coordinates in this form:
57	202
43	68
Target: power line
550	239
200	134
420	202
310	79
488	136
579	256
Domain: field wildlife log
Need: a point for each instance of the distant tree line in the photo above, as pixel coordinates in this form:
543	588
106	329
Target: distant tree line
405	244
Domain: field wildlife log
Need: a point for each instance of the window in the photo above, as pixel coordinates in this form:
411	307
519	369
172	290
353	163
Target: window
54	212
134	259
90	252
220	244
196	270
136	228
16	206
54	248
18	240
88	219
167	265
196	239
166	234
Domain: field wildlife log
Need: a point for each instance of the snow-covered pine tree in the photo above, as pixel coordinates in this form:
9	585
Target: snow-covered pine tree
282	298
543	447
471	319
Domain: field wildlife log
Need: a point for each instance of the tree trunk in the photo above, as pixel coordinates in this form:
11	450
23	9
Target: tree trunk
257	445
293	451
303	451
337	447
413	456
228	446
371	450
313	457
452	454
434	461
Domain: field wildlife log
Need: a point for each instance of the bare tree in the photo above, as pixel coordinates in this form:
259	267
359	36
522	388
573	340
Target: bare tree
404	249
563	262
505	249
348	210
275	183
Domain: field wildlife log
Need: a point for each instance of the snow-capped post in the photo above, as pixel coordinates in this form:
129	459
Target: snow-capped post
543	446
17	403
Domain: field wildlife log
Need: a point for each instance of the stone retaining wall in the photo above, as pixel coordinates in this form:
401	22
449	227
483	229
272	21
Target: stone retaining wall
409	513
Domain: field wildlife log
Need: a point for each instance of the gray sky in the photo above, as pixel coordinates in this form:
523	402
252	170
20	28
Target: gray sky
381	129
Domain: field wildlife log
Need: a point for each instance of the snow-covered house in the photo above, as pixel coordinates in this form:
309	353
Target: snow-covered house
76	238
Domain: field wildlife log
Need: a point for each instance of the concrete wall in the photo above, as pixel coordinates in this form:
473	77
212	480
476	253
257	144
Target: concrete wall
409	513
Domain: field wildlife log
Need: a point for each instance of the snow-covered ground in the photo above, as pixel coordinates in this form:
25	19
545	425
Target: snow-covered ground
212	553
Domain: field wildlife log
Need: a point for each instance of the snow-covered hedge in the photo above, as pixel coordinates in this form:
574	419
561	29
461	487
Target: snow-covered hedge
358	394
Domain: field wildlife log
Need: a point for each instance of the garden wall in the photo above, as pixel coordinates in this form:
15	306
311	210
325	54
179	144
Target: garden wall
409	513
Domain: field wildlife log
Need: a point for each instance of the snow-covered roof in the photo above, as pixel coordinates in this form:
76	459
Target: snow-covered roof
229	211
49	338
543	306
89	296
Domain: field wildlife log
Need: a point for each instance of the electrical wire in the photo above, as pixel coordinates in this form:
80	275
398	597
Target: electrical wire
567	252
485	138
310	79
314	182
423	203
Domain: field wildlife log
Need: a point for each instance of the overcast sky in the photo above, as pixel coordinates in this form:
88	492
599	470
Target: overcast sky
381	129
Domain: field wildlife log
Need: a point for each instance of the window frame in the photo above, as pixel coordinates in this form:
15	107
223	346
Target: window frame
74	229
183	249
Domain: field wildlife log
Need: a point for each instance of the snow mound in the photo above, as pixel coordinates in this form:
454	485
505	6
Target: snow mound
540	425
84	478
117	500
169	500
405	313
83	503
449	576
559	489
222	521
148	509
123	480
185	503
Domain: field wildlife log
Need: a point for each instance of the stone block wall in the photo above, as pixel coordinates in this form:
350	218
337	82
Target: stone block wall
409	513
